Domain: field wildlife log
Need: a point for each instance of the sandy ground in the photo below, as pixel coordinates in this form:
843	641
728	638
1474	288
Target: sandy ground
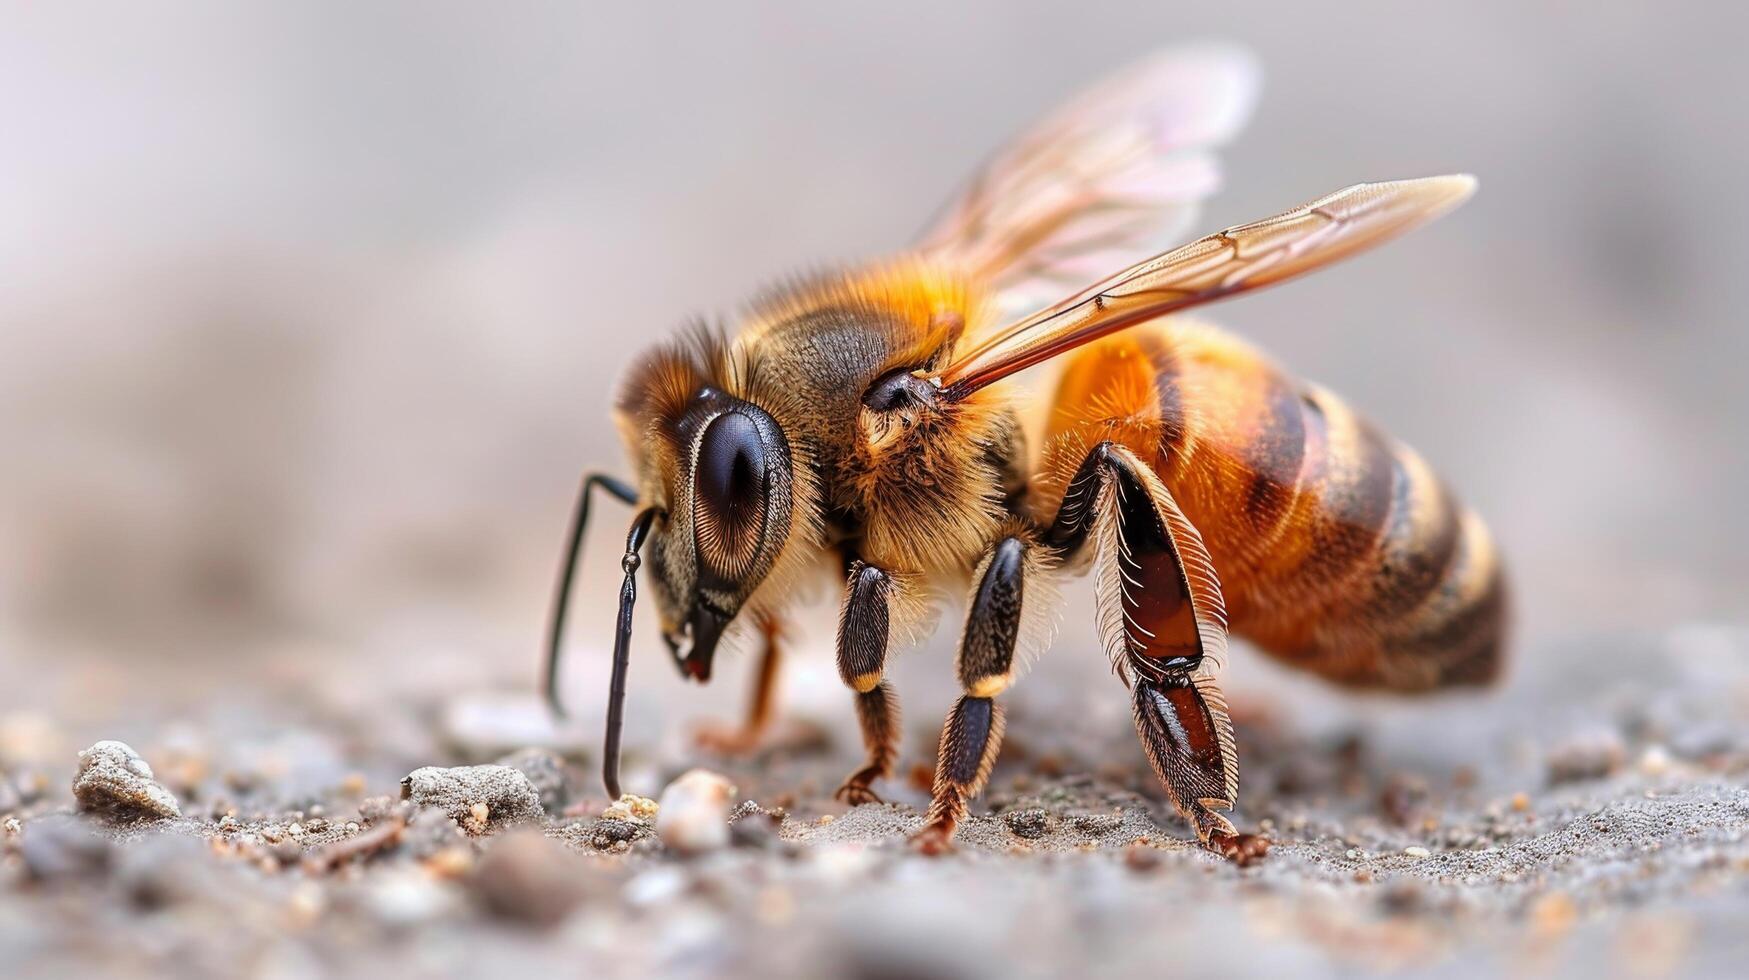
1557	827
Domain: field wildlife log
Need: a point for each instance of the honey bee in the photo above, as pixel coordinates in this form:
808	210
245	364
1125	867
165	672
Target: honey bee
866	423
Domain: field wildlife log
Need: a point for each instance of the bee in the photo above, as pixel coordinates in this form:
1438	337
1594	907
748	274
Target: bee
866	424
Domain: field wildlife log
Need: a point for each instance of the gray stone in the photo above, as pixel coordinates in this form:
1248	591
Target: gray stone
546	771
114	780
528	879
62	846
1029	823
476	797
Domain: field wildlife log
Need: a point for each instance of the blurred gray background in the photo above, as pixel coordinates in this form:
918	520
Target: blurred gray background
311	313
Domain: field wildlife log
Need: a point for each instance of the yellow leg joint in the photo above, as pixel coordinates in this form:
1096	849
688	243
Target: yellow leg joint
990	685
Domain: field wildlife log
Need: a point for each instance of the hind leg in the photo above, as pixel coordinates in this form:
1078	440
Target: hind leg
1182	722
1164	627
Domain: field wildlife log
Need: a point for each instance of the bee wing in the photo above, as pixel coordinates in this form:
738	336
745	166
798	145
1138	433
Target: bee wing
1113	175
1241	258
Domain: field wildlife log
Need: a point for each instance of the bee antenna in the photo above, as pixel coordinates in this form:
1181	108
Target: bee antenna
567	571
622	642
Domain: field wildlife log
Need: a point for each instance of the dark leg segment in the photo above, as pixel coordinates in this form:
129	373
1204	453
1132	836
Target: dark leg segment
972	735
863	636
878	713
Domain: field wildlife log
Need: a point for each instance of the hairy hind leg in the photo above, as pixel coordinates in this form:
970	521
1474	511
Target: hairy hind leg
1182	722
1164	627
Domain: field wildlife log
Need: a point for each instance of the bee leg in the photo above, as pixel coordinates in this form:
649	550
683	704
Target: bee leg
972	734
863	627
1182	722
1164	621
731	740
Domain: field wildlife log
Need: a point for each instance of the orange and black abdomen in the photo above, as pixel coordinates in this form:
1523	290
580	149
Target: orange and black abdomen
1337	548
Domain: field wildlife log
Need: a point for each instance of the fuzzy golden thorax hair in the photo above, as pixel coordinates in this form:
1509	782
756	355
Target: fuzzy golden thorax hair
876	463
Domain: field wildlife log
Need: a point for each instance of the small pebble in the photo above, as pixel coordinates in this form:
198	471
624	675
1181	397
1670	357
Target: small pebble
451	862
1416	851
160	870
1030	823
1655	761
631	807
405	897
62	846
545	771
1590	755
431	829
758	831
287	852
693	815
505	794
612	833
528	879
114	780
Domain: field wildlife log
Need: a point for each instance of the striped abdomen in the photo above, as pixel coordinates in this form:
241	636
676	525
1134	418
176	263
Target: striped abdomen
1338	549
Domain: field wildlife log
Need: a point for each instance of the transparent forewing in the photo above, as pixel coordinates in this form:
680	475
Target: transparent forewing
1111	176
1241	258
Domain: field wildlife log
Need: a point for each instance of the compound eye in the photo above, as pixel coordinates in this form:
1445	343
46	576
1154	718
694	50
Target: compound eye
728	506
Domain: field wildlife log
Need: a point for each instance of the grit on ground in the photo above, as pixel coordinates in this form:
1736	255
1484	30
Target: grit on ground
1555	827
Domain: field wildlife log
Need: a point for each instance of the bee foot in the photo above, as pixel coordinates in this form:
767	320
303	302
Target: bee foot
1243	850
856	790
933	840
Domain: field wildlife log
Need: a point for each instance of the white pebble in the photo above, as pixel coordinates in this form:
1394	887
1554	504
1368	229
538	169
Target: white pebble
655	887
693	813
114	779
1655	761
1416	851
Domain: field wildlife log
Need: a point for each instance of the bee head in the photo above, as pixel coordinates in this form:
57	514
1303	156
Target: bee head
728	520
